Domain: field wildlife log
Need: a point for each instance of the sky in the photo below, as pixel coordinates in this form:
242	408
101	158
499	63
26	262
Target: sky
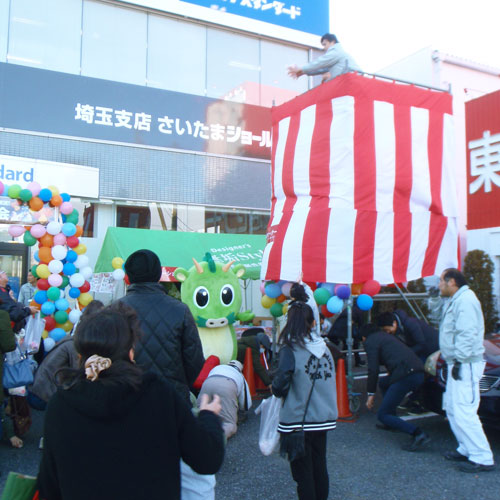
379	32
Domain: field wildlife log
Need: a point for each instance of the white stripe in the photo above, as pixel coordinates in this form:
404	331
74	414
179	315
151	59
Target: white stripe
291	254
265	261
340	245
384	247
447	256
419	240
385	156
283	127
448	186
421	198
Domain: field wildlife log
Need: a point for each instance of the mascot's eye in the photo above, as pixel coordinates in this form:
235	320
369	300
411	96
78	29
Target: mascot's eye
227	295
201	297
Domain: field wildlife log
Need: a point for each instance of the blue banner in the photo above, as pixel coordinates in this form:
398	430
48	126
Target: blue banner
302	15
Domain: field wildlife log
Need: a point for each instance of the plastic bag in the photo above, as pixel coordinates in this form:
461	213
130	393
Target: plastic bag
33	333
269	437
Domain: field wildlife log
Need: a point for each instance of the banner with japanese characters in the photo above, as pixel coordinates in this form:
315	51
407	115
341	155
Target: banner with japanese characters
70	105
482	119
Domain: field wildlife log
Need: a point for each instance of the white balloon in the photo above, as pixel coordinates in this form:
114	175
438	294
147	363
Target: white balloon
86	272
76	280
59	252
74	315
53	228
48	344
55	266
82	261
118	274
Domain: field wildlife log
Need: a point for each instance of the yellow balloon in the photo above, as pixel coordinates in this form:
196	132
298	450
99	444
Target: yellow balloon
80	249
68	326
42	271
266	301
85	299
54	190
285	307
45	334
117	263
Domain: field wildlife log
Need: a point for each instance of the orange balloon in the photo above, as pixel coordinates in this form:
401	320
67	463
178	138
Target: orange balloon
36	204
47	240
356	288
45	255
79	231
55	201
281	298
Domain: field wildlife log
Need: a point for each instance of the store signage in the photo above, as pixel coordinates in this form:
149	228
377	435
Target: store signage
70	105
482	118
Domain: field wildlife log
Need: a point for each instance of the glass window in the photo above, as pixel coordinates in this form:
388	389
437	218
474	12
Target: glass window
132	216
45	34
277	87
114	43
4	29
176	55
86	216
231	221
233	70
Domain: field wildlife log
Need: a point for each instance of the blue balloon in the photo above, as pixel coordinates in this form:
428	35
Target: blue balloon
62	304
330	287
74	293
365	302
65	196
71	256
57	334
45	194
273	290
48	308
63	217
36	257
68	229
69	269
335	305
343	292
40	297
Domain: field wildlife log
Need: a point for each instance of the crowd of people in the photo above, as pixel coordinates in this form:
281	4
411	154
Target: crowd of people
118	391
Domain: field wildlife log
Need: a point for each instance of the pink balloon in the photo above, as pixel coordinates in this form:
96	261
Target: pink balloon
263	287
16	231
55	280
66	208
37	231
59	239
34	187
285	289
2	187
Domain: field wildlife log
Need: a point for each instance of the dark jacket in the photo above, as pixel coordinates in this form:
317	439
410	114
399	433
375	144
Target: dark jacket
170	345
422	338
104	442
385	349
338	331
17	311
258	368
7	344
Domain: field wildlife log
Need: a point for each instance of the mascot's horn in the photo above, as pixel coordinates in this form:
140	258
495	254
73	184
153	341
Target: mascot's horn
199	269
226	267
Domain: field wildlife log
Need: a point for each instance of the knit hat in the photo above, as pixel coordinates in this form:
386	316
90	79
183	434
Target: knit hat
236	364
263	340
143	266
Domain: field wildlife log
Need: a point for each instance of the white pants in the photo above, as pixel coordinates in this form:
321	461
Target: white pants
461	401
196	486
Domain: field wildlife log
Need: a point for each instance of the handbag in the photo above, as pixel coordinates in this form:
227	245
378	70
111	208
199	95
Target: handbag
293	444
19	487
18	373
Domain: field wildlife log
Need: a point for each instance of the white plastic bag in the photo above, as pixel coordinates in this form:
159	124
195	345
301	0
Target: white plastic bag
33	333
269	437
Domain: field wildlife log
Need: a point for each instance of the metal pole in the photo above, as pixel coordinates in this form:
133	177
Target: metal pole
407	301
350	375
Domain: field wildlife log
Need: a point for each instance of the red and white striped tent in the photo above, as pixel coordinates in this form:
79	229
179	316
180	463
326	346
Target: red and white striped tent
363	184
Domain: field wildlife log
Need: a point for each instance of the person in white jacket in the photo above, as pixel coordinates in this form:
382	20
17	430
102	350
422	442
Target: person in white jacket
461	335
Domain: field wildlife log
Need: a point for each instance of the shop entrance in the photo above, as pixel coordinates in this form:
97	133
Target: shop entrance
14	261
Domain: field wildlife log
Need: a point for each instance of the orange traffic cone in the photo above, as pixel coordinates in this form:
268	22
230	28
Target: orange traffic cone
248	372
342	395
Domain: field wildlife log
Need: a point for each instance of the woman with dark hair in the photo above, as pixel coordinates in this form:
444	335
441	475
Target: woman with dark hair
306	380
112	431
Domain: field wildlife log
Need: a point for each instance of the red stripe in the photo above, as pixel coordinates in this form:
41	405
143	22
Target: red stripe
402	193
275	255
437	229
364	190
316	229
435	148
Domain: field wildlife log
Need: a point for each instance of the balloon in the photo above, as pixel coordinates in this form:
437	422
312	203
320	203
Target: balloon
69	269
74	293
330	287
267	302
53	293
48	308
50	323
53	227
118	274
55	280
43	271
72	241
40	297
285	307
371	287
42	283
77	280
2	187
281	299
68	229
87	272
25	195
117	263
36	204
65	282
79	231
321	295
34	187
28	239
68	326
74	315
14	191
61	316
72	217
47	240
44	254
59	239
66	208
356	288
285	289
54	190
273	290
335	304
82	261
57	334
37	231
72	256
276	310
365	302
48	344
342	291
65	196
85	287
80	249
326	313
55	266
59	252
85	299
16	231
45	194
263	287
55	201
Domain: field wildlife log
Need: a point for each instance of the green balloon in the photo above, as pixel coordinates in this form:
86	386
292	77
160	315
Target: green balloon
65	282
321	296
61	317
33	271
73	217
25	195
14	191
53	293
29	239
276	310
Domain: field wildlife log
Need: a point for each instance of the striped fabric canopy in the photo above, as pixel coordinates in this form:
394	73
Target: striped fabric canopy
363	184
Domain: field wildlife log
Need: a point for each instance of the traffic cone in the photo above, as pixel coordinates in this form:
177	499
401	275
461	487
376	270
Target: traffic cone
248	372
342	395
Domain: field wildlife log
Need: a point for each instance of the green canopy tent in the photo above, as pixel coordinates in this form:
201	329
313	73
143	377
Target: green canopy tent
176	248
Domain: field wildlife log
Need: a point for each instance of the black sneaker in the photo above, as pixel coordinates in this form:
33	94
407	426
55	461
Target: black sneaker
454	456
472	467
417	442
416	409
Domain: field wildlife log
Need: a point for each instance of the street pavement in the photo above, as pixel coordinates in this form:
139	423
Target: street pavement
363	462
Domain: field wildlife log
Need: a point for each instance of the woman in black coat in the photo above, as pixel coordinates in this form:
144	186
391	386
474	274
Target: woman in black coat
113	432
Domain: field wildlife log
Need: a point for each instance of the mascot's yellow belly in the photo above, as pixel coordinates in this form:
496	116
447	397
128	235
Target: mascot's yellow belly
219	342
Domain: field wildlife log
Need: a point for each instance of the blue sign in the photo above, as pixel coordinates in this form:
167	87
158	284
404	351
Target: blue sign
302	15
